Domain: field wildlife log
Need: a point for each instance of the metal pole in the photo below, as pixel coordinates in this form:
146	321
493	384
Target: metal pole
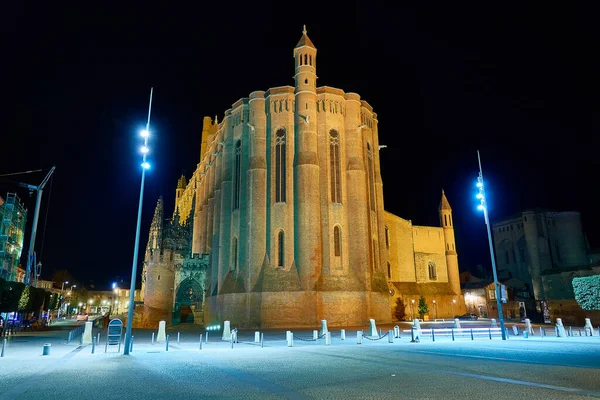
489	232
137	245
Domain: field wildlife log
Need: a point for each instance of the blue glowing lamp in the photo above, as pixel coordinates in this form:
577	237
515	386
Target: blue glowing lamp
146	165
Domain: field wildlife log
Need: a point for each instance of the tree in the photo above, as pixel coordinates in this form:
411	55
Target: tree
400	311
423	307
587	292
10	295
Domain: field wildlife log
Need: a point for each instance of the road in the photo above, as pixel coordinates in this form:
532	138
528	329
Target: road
518	368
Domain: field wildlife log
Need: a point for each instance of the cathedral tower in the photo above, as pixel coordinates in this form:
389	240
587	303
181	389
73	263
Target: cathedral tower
181	185
306	172
451	256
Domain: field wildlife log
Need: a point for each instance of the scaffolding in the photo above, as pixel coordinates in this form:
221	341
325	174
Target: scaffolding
13	216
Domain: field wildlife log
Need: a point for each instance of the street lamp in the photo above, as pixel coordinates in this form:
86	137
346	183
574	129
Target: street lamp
145	134
452	305
483	206
434	310
62	291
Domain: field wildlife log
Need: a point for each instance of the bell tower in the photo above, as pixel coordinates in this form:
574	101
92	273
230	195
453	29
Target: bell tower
451	257
305	56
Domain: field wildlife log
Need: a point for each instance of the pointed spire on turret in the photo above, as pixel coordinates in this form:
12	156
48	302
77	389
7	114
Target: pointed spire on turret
182	182
304	40
444	205
216	120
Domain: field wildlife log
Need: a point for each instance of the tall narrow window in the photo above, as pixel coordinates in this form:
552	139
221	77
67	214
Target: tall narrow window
445	220
389	271
371	177
337	242
238	175
280	249
375	261
387	237
335	166
432	271
234	253
280	162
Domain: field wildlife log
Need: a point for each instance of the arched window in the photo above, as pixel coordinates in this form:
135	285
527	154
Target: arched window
375	261
337	241
432	271
310	59
335	173
234	253
300	63
371	177
306	59
280	249
389	270
238	175
450	219
387	237
280	162
445	220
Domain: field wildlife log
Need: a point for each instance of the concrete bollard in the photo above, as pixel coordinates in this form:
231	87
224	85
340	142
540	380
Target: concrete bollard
372	328
391	336
98	340
3	347
541	332
493	323
256	337
315	335
167	343
161	336
528	326
506	330
457	323
93	345
200	341
86	338
343	334
206	336
226	331
324	329
515	330
396	331
560	329
290	338
359	337
262	340
178	337
152	338
570	331
588	327
327	338
46	350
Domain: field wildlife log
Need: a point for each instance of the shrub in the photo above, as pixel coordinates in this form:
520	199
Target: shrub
587	292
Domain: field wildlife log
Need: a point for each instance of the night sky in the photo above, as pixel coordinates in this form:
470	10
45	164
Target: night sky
517	82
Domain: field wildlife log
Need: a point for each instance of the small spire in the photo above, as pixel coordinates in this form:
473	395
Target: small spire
216	119
304	29
444	204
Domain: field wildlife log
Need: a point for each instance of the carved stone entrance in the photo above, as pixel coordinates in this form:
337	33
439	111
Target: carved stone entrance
189	301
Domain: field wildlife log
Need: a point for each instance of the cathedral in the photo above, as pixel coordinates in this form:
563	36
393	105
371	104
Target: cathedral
283	223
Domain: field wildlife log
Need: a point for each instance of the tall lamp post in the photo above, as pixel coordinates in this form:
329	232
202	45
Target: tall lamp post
145	133
483	206
452	305
62	290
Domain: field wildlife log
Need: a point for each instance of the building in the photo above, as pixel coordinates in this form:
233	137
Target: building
13	216
283	222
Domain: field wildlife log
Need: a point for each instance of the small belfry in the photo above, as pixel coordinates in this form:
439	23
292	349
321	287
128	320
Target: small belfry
288	218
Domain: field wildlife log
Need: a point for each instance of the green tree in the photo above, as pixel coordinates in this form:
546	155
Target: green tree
400	311
423	307
587	292
10	295
26	299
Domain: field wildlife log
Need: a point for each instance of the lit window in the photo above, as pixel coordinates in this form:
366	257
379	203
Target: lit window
432	271
335	167
280	161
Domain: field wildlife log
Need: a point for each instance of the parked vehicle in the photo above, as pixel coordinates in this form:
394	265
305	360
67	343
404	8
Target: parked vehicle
82	317
467	317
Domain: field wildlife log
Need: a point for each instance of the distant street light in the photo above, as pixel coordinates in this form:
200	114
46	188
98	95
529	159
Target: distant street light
434	310
483	206
145	165
412	310
452	305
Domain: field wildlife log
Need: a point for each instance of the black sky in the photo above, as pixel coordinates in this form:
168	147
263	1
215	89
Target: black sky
518	82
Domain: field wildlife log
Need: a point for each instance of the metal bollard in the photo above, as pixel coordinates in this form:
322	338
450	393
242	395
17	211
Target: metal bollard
506	333
541	332
391	336
3	347
490	333
452	334
93	345
579	332
231	340
327	338
432	335
167	343
262	340
412	335
46	350
98	341
570	331
472	338
397	331
256	337
359	335
200	341
152	337
178	336
131	344
379	332
206	336
343	334
315	335
290	338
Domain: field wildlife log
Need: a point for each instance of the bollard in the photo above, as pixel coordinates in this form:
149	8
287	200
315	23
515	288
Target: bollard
206	336
570	331
379	332
453	334
178	337
290	338
579	332
231	340
262	340
391	336
315	335
98	340
472	338
200	341
46	350
93	345
131	345
327	338
412	335
490	333
167	343
69	338
343	334
506	333
525	333
397	331
3	347
541	332
432	335
359	337
256	337
152	337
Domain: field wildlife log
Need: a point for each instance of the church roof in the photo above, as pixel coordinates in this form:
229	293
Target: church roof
444	205
304	40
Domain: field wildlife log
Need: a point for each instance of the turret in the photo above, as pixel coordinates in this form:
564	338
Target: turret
155	235
181	185
305	56
451	257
